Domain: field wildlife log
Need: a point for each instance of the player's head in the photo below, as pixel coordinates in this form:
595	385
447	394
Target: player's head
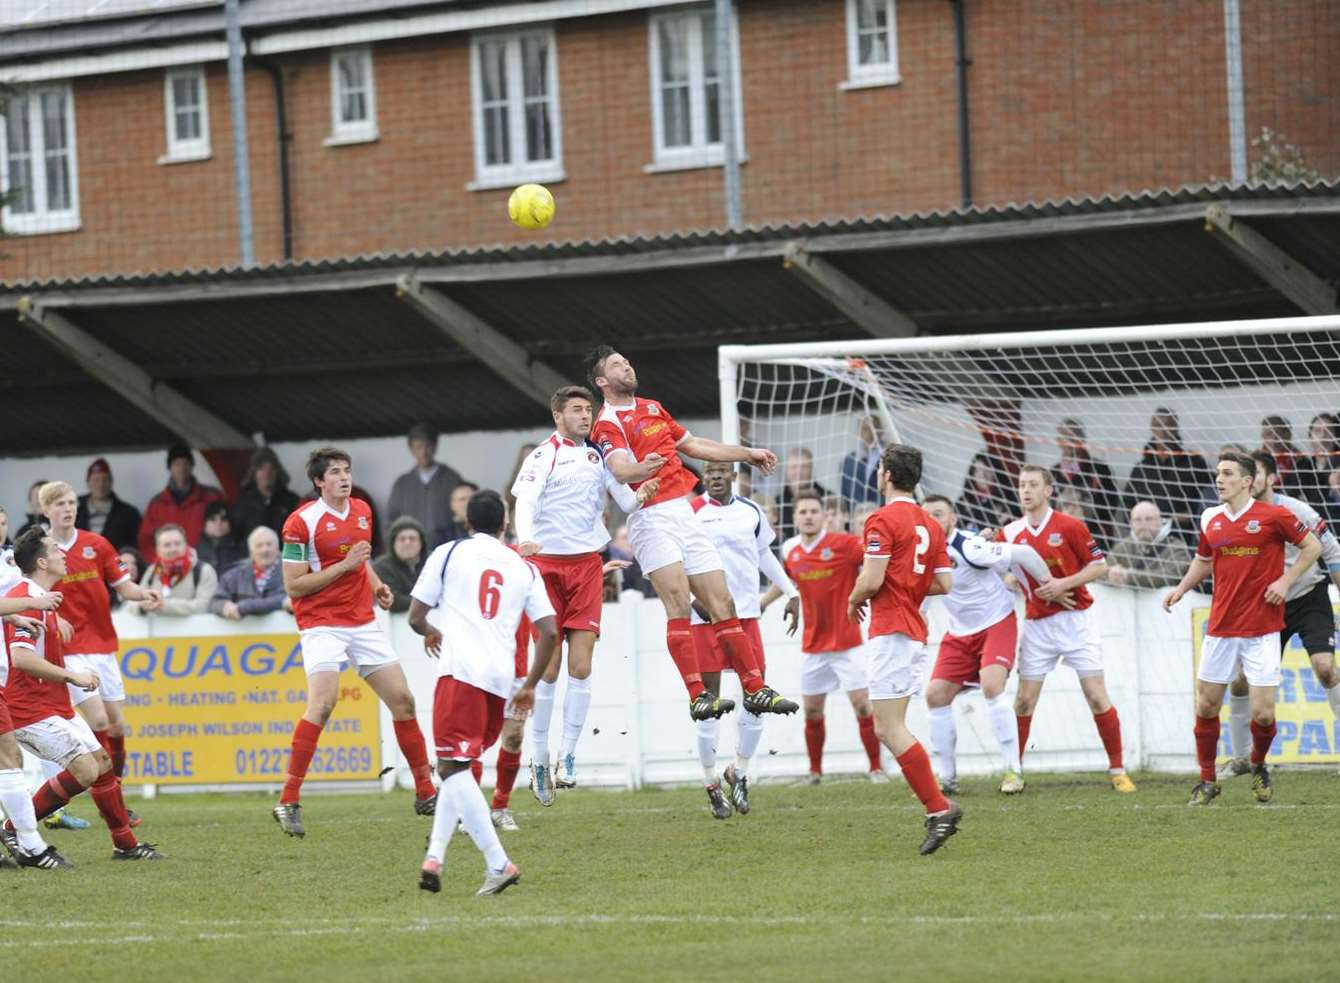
1035	487
1146	521
1234	474
58	503
941	509
35	552
1266	475
573	408
486	512
609	373
718	478
422	440
807	512
331	471
899	469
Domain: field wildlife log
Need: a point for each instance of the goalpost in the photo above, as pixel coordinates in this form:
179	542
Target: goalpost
1119	414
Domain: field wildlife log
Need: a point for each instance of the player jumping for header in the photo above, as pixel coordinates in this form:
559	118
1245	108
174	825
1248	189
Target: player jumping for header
638	440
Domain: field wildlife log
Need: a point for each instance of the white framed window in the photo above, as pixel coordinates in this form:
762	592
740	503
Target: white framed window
186	106
872	44
686	89
40	173
353	97
518	129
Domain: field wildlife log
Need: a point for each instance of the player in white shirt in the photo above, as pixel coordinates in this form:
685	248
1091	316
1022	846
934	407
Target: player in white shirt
1307	612
979	647
743	537
560	496
481	589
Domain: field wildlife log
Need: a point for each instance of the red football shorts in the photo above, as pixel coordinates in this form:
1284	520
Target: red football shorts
576	589
711	657
962	657
466	719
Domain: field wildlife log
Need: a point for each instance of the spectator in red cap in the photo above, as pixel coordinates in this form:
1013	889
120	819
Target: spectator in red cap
182	502
100	511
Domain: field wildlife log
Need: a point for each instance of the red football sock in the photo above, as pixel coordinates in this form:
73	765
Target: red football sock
477	770
508	764
1207	745
871	742
740	653
116	747
916	765
679	640
1109	729
104	739
814	744
55	793
410	738
1262	738
305	737
106	792
1025	725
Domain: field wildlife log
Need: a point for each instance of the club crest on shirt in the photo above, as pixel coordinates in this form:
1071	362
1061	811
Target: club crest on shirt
362	522
1054	539
330	527
538	454
89	553
1253	525
825	554
593	457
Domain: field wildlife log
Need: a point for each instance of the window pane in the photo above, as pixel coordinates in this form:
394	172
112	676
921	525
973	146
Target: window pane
675	117
497	141
535	65
712	99
493	71
53	121
57	158
58	181
354	107
710	45
185	92
539	134
674	44
874	49
18	139
872	14
187	124
351	72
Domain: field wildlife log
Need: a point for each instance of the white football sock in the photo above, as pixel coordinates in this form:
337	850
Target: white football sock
444	824
469	803
18	805
576	703
1240	724
1006	728
539	721
1333	697
751	732
708	731
943	739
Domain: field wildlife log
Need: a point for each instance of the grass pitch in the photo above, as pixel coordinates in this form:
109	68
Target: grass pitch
1068	881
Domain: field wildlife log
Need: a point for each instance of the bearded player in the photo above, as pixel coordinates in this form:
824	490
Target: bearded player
327	546
824	565
640	439
743	537
1058	627
1307	611
560	496
1242	543
905	560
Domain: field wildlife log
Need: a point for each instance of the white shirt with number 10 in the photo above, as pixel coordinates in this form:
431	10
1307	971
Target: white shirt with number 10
481	589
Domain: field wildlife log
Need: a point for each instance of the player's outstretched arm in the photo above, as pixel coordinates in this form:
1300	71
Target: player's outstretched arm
418	620
1198	571
128	590
33	664
301	581
38	602
1059	586
630	471
1309	550
705	449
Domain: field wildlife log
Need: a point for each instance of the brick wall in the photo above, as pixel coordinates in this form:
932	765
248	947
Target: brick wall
1068	98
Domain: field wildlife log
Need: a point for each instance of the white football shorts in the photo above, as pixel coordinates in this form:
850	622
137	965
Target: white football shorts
828	672
327	649
1068	636
111	687
668	533
1258	657
58	740
897	666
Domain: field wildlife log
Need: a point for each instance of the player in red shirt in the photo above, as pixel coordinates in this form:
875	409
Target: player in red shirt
327	546
1057	625
639	439
905	560
92	567
38	700
823	565
1242	543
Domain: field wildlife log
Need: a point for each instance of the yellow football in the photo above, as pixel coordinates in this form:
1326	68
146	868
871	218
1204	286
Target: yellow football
531	206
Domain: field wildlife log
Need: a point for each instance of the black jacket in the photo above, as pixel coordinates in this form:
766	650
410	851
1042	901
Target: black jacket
1175	480
221	554
123	522
253	509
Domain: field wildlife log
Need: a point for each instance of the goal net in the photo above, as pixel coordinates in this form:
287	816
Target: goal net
1119	415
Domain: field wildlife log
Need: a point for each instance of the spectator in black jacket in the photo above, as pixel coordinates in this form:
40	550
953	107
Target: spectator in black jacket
1079	469
254	585
399	566
265	499
1170	476
100	511
217	547
984	502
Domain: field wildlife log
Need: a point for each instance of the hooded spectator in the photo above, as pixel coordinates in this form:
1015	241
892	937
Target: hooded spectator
102	512
265	499
399	566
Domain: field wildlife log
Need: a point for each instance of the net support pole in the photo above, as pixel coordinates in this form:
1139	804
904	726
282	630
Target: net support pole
728	378
158	400
1272	264
497	352
867	311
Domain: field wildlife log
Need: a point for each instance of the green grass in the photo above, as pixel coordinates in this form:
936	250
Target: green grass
1068	881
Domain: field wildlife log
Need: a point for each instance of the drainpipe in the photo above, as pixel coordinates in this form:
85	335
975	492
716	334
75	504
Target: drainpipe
961	64
282	139
730	142
241	156
1237	116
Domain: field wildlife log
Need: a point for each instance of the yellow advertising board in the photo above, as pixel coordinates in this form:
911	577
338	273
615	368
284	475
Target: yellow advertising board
1307	731
220	709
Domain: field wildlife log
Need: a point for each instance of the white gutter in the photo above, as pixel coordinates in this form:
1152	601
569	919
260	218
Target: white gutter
123	60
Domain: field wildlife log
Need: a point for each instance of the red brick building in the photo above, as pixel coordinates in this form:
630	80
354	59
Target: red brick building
405	121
